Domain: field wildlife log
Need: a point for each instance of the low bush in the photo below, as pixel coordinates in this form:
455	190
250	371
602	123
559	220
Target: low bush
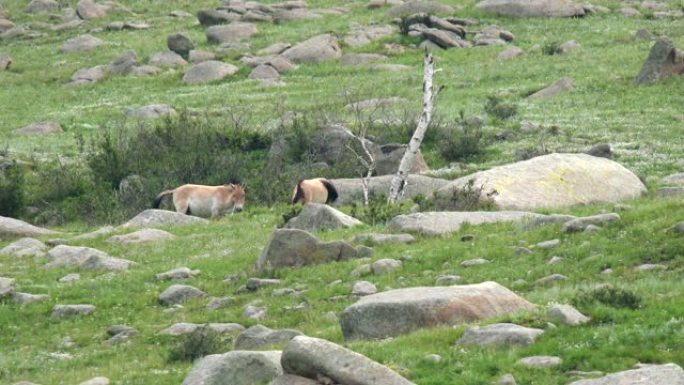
609	296
201	342
12	197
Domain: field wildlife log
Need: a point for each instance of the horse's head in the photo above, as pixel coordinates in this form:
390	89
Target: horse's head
238	197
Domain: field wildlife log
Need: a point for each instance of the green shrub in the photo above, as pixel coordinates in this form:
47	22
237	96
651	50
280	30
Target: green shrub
201	342
12	197
552	48
609	296
467	198
378	210
460	144
499	108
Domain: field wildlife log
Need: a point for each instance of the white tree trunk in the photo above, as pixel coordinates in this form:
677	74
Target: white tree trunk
399	180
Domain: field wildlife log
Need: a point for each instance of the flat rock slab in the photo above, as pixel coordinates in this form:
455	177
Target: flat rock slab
258	336
504	334
163	218
316	216
531	8
179	273
670	374
85	258
351	189
142	236
24	247
88	76
382	239
314	357
26	298
437	223
176	294
554	180
10	227
81	43
540	362
232	32
182	328
401	311
558	87
208	71
315	50
66	311
293	248
581	223
236	368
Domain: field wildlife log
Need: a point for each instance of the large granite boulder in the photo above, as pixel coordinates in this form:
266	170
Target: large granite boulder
235	368
10	227
550	181
85	258
315	50
351	189
163	218
400	311
437	223
314	357
670	374
316	216
292	248
527	8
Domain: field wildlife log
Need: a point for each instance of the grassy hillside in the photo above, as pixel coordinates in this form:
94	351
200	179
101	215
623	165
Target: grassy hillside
644	125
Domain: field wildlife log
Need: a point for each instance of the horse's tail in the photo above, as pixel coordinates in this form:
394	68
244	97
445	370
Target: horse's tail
332	191
298	193
158	199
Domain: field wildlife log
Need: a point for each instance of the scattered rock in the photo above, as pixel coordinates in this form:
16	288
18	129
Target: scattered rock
539	362
669	192
255	312
506	379
176	294
381	239
85	258
24	247
236	368
643	34
671	374
167	59
254	284
510	53
361	270
568	46
412	7
120	333
290	379
474	262
316	216
314	50
553	278
66	311
292	247
400	311
650	267
555	260
221	302
560	86
663	61
492	35
447	280
124	63
178	273
71	277
258	337
580	224
141	236
350	189
42	6
88	9
183	328
313	357
152	111
40	128
88	76
274	49
531	8
211	17
96	381
208	71
503	334
362	288
162	218
437	223
26	298
548	244
673	180
554	180
219	34
355	59
566	315
359	36
602	150
679	228
180	44
197	56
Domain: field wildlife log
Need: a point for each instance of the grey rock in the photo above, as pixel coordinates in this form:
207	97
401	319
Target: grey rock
519	250
211	17
255	312
235	368
167	59
359	36
492	35
551	219
560	86
669	192
151	111
41	6
580	224
566	315
208	71
555	260
535	183
180	44
88	9
71	277
105	230
568	46
670	374
142	236
437	223
314	50
176	294
628	12
316	216
663	61
383	239
264	72
553	278
363	288
96	381
5	61
506	379
183	328
10	227
219	34
673	180
85	258
361	270
643	34
548	244
292	247
69	25
66	311
355	59
274	49
198	56
290	379
351	190
539	362
310	357
502	334
510	53
6	287
24	247
650	267
474	262
41	128
258	337
178	273
81	43
5	25
88	76
602	150
255	284
400	311
26	298
162	218
679	228
412	7
534	8
123	64
447	280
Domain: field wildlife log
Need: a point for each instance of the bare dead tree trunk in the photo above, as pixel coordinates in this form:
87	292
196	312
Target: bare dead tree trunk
399	181
368	162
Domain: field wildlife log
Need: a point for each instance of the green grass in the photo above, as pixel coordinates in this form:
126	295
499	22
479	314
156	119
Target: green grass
643	124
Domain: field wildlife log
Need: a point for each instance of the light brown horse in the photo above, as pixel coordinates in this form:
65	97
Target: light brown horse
319	190
205	201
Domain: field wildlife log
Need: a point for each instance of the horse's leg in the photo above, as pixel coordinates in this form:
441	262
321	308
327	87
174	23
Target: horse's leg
182	206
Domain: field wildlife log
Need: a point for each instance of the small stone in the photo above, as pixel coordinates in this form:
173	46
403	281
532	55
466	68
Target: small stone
519	250
506	379
555	260
467	238
254	284
96	381
567	315
548	244
254	312
362	288
40	128
568	46
176	294
386	265
180	43
447	280
5	61
592	229
26	298
474	262
434	358
198	56
650	267
72	277
65	311
178	273
221	302
510	53
539	362
607	271
679	228
553	278
361	270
